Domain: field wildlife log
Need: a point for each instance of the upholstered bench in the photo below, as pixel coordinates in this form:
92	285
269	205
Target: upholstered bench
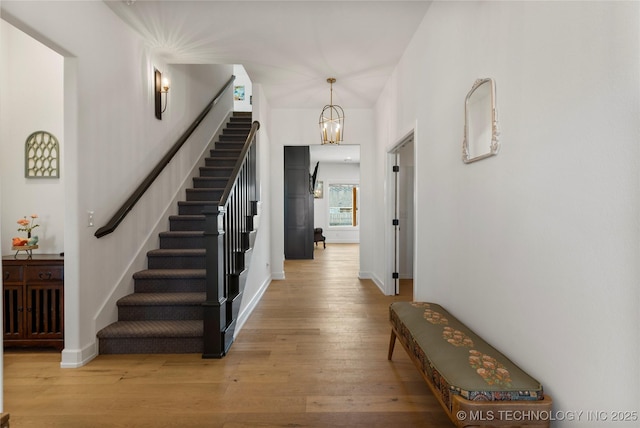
474	382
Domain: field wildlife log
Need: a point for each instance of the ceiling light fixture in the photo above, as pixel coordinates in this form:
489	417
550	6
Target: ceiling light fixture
331	120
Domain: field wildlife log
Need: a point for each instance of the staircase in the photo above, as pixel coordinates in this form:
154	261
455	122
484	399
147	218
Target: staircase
165	313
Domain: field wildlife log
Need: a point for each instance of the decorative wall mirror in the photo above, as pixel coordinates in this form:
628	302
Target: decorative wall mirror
480	122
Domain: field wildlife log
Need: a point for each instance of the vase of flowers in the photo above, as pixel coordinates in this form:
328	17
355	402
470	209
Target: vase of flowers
26	225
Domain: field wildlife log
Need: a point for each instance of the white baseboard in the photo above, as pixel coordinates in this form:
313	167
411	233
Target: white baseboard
74	358
277	276
374	278
244	314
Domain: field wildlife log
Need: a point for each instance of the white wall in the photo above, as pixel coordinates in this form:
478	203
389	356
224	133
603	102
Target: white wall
112	141
259	275
32	101
536	249
2	74
291	127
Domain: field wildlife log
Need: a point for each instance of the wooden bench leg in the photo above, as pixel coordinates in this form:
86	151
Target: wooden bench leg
392	343
4	420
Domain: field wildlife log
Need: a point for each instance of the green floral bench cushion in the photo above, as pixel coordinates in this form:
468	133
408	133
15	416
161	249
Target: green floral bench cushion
456	359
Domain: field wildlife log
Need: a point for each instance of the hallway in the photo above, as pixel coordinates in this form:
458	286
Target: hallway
312	354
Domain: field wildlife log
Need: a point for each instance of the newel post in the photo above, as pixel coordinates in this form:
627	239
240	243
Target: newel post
214	308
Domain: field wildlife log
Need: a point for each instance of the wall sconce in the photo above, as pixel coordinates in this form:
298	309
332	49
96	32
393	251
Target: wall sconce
161	86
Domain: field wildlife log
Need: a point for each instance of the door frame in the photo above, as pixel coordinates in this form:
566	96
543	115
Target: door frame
392	237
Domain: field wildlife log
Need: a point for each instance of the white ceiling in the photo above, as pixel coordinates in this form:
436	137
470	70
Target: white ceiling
344	153
289	47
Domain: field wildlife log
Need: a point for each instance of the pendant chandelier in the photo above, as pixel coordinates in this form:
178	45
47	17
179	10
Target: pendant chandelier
331	120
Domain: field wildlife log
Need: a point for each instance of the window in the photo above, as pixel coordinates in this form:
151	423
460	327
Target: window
343	205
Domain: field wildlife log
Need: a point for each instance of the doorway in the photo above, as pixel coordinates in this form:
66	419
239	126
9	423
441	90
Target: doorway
34	101
336	201
400	214
329	168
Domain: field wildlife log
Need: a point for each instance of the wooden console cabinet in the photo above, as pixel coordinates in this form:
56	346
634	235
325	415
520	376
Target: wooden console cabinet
33	301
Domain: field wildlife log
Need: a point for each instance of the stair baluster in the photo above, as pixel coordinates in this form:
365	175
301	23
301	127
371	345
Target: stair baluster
226	241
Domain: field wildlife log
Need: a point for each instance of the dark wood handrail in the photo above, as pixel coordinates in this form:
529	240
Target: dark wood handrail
243	154
122	212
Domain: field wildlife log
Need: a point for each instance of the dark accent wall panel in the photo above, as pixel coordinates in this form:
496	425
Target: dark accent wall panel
298	204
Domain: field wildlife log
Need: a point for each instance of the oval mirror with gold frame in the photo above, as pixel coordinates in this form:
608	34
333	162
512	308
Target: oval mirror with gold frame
480	122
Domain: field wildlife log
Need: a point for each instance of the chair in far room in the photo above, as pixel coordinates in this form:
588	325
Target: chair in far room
318	237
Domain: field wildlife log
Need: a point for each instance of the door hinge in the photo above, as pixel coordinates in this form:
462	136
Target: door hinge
396	222
396	168
395	275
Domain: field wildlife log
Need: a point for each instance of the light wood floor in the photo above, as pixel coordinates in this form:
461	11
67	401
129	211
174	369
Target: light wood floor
313	354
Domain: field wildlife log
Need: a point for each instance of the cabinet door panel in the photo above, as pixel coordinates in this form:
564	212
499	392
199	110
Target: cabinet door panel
12	311
44	314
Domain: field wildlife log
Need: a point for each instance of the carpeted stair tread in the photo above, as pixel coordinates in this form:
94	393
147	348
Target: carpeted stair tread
182	252
187	217
191	238
170	274
185	223
162	299
221	168
205	189
210	182
196	203
155	328
216	171
183	233
225	152
217	168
